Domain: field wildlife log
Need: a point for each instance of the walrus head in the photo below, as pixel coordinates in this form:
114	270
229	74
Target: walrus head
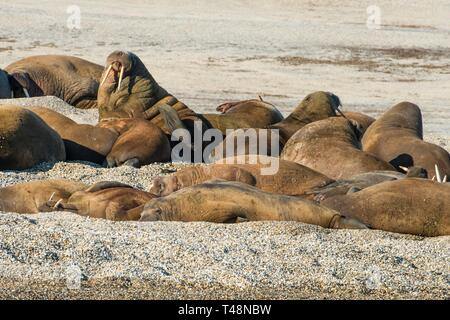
127	88
5	87
163	186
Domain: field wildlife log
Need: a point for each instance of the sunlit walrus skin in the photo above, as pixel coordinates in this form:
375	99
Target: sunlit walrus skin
288	177
26	140
397	137
224	201
332	147
71	79
34	197
412	205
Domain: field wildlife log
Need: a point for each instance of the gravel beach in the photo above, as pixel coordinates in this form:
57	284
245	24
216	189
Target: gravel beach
206	53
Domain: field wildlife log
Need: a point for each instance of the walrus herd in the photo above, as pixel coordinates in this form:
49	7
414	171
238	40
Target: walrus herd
334	169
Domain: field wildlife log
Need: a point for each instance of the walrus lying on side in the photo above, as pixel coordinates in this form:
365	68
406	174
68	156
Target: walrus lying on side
397	137
26	140
113	142
332	147
34	197
107	200
287	177
128	90
71	79
206	202
413	206
315	106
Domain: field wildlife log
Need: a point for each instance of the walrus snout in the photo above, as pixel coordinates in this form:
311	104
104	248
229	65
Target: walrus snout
120	64
151	214
163	186
341	222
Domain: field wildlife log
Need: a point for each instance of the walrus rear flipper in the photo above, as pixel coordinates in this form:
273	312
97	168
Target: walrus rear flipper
171	118
106	185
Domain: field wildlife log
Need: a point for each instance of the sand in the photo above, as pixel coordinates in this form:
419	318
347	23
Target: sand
208	52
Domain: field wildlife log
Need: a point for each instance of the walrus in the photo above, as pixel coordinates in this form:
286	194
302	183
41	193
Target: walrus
364	121
82	141
5	88
413	206
315	106
139	143
26	140
206	202
71	79
287	177
107	200
397	137
34	197
331	147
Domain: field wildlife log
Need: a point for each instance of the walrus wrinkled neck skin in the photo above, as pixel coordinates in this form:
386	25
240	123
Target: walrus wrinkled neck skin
315	106
5	87
138	89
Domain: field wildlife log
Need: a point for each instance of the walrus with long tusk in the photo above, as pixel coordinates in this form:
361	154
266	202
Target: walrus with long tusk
34	197
413	206
331	146
106	200
71	79
397	137
26	140
287	177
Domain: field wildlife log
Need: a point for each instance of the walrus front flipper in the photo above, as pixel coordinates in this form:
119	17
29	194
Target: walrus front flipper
106	185
171	118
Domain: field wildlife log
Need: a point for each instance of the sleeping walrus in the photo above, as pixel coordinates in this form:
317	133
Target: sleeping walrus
288	178
34	197
26	140
107	200
71	79
414	206
397	137
224	201
332	147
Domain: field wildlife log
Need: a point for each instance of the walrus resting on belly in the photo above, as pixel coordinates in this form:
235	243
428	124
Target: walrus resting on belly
223	202
396	137
266	173
315	106
413	206
331	147
107	200
34	197
26	140
71	79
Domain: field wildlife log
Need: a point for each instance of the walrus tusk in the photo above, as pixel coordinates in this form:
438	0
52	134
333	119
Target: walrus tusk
106	75
57	204
445	179
120	78
26	92
438	173
51	197
404	168
434	178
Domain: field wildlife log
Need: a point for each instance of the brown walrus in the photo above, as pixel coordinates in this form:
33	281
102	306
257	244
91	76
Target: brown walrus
285	177
413	206
315	106
71	79
140	143
107	200
396	137
331	146
364	121
224	201
5	88
82	141
34	197
26	140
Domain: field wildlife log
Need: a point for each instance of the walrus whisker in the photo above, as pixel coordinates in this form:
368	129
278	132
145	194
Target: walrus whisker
51	197
122	69
26	92
57	204
438	173
106	75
